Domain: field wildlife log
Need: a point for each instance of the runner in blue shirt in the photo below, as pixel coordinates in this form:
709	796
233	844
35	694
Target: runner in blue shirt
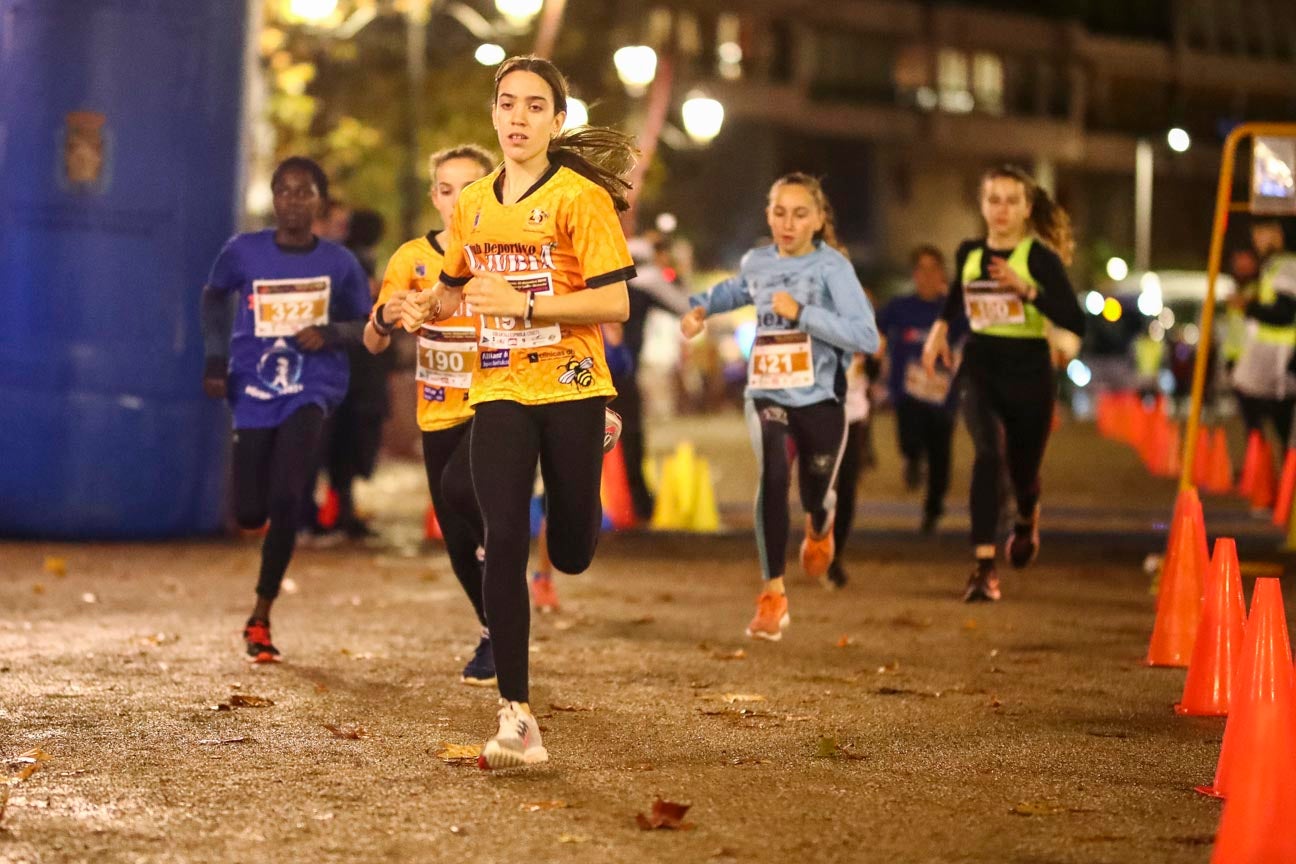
924	406
812	317
278	310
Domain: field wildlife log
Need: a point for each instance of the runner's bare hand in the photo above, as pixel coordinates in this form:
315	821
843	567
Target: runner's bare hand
693	322
491	294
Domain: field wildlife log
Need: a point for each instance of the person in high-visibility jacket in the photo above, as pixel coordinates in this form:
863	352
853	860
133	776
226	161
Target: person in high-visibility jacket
1009	285
1262	379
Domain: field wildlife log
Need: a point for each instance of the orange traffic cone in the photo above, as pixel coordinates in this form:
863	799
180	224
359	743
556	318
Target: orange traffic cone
431	527
1260	718
1256	825
1179	597
327	515
1250	463
1201	459
1219	477
1219	637
614	490
1286	487
1262	490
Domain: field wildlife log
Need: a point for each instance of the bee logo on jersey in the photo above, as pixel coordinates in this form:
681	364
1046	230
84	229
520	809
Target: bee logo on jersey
578	372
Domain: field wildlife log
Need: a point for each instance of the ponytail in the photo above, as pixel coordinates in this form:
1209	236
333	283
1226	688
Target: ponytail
1048	220
828	233
601	155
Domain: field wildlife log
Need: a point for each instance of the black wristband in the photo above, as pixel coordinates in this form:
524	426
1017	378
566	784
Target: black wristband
379	327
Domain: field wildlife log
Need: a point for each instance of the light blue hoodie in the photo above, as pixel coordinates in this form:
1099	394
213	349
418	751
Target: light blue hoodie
834	311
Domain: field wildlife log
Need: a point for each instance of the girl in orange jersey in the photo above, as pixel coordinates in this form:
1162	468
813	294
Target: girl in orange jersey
447	353
537	251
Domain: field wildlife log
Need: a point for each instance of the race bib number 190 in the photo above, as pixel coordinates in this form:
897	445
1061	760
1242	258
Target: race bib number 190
281	307
446	356
506	332
781	360
989	304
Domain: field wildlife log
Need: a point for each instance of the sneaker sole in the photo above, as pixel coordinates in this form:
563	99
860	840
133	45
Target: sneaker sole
477	682
265	658
1008	552
494	758
771	637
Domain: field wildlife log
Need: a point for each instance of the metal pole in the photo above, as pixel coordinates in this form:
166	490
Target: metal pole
1142	205
659	99
550	24
412	182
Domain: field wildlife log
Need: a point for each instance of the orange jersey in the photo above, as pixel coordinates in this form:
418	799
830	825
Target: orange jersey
447	350
562	236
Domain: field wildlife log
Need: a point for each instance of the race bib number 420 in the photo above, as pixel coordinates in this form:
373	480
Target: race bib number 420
781	360
989	304
446	356
507	332
281	307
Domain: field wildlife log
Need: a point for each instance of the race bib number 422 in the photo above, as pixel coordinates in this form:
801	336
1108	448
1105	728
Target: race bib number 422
988	304
781	359
508	332
281	307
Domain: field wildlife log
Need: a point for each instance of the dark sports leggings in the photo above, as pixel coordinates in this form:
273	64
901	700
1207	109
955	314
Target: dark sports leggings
449	475
926	431
1008	417
507	440
853	462
819	432
271	470
1255	411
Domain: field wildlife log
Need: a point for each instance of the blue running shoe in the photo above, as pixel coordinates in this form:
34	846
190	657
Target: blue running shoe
480	671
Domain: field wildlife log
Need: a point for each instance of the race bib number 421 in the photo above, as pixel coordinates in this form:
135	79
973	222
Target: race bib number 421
281	307
988	304
780	360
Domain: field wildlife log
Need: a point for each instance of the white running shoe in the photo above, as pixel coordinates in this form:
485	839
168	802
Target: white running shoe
611	429
516	744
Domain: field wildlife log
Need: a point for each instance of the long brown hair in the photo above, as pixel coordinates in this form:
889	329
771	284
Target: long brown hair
1047	219
604	156
828	233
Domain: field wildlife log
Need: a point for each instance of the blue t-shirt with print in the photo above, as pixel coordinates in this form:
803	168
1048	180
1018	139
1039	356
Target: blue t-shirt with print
835	312
905	322
281	290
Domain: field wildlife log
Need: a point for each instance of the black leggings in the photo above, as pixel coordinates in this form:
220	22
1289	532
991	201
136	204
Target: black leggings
271	469
507	440
1255	411
854	459
1012	415
449	476
926	431
819	432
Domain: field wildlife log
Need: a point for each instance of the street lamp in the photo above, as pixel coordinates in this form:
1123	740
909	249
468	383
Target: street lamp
703	117
1117	269
311	10
1178	139
636	66
519	12
577	113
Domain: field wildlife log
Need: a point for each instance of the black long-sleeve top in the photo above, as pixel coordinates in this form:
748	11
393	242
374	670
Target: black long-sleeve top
1056	299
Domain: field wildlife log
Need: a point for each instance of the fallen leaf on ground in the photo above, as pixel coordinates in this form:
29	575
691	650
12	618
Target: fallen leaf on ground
906	691
908	619
573	838
458	754
223	706
351	733
36	755
828	747
995	703
238	740
739	654
644	619
969	624
320	688
893	666
38	588
242	700
748	760
573	707
537	806
845	641
55	566
666	815
732	698
24	773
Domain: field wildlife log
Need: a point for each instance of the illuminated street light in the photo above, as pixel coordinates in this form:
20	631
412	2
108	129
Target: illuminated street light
1149	300
311	10
577	113
519	12
1179	140
636	66
1094	303
489	54
703	117
1117	269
